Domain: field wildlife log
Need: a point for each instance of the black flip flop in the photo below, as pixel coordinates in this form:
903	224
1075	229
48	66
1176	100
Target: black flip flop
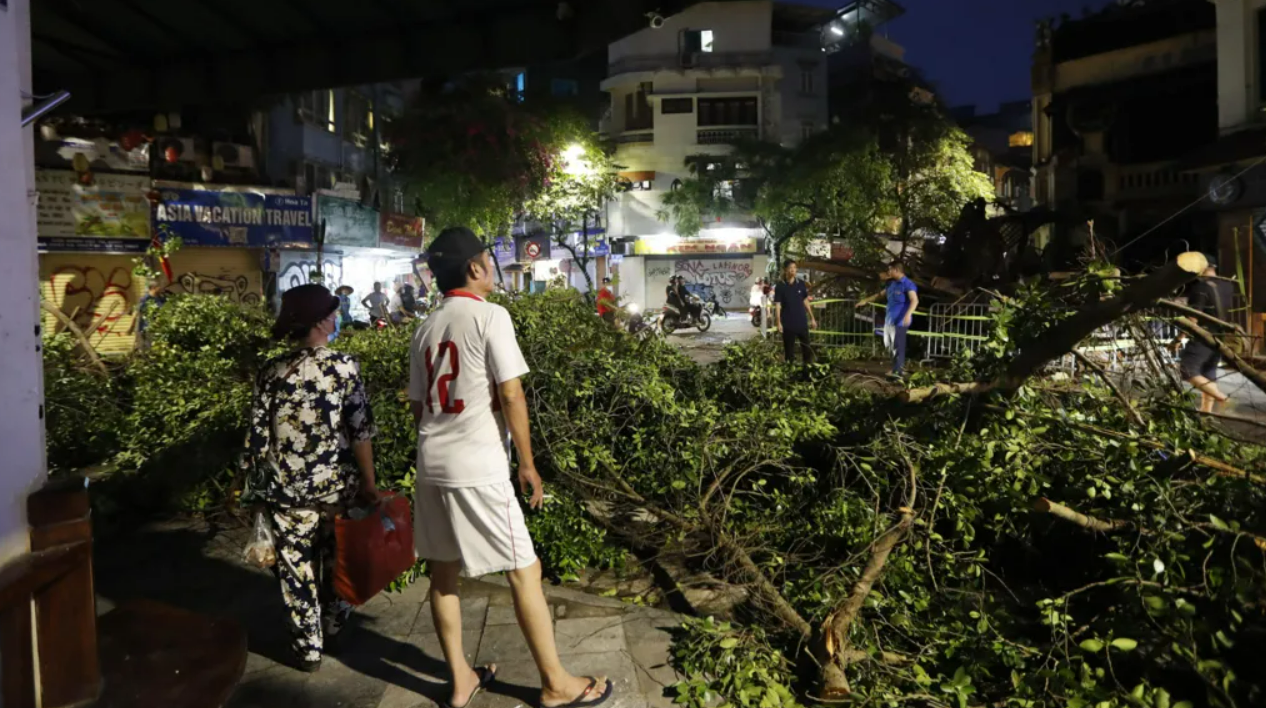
486	676
580	702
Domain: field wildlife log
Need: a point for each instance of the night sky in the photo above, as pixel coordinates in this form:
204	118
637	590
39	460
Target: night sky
975	51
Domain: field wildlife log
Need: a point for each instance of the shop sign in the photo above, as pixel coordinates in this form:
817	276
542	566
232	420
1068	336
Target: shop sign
100	153
111	208
503	250
693	246
347	222
204	217
400	231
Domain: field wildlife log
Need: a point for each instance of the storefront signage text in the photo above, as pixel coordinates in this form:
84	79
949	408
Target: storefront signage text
110	206
213	218
401	231
653	247
347	222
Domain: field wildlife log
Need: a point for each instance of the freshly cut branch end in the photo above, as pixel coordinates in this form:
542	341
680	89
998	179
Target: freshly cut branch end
1091	523
1193	262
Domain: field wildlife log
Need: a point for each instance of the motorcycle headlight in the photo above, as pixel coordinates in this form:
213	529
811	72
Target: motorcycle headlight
633	308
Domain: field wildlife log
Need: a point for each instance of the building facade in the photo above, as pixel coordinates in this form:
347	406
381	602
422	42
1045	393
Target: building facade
714	74
1119	98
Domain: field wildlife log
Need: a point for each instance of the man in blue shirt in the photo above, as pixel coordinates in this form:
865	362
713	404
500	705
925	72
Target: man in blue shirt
793	315
903	297
153	299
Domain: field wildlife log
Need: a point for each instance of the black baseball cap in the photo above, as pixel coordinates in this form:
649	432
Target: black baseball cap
449	253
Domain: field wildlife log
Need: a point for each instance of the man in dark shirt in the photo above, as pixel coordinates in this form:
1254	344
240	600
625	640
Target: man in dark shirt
793	315
1199	362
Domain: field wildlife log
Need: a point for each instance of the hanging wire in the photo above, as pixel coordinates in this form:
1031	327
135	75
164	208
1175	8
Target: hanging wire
1181	211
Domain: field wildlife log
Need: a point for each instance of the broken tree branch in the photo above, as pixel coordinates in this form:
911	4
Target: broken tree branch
1204	336
836	628
1064	337
1103	375
73	328
1064	513
1203	317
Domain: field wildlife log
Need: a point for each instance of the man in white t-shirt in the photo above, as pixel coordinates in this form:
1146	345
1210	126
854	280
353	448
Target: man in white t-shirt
467	398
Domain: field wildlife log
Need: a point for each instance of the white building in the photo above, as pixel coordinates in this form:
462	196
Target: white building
689	85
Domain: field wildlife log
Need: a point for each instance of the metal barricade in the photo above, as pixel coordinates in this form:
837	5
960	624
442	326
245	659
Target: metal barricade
956	328
842	323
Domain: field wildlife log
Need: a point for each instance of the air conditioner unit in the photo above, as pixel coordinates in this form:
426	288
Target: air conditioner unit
235	157
185	149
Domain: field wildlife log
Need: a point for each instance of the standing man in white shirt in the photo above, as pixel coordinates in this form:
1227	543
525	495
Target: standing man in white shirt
466	395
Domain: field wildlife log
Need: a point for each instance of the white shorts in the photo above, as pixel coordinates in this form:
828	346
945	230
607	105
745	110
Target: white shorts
482	527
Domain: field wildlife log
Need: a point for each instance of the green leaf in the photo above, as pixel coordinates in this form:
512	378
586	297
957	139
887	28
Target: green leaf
729	643
1124	644
1183	704
1218	523
1091	645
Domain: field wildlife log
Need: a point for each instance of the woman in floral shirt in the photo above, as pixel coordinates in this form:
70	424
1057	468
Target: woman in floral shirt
310	433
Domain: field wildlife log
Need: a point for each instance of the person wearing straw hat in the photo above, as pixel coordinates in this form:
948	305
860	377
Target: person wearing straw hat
1198	362
308	446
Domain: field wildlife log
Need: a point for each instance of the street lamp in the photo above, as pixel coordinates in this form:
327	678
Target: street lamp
574	162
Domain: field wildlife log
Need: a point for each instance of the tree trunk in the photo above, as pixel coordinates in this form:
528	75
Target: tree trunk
1060	339
1089	523
73	328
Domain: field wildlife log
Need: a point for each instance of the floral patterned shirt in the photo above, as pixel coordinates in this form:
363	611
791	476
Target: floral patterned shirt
310	406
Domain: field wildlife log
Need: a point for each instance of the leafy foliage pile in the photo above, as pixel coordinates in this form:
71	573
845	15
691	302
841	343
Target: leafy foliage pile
1149	592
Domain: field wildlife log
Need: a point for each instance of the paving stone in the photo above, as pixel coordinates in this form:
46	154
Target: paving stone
502	644
388	615
498	615
279	687
519	682
590	636
474	609
649	636
399	697
339	686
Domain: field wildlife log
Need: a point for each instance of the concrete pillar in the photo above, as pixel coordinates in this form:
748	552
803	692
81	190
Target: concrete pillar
21	380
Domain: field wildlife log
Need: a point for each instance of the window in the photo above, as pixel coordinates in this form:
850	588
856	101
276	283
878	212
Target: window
696	41
806	130
1020	139
317	108
643	186
728	111
807	74
637	109
358	118
677	105
564	87
317	177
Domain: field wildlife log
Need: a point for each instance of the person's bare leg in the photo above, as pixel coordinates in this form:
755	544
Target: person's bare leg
1209	393
446	610
557	686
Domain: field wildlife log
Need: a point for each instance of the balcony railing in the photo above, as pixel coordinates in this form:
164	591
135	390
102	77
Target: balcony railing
637	137
723	136
693	60
1155	180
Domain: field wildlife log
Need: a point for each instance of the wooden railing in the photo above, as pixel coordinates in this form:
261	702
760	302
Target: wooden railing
57	577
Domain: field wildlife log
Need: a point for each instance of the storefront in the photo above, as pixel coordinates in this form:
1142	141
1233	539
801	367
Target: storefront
235	238
729	262
89	230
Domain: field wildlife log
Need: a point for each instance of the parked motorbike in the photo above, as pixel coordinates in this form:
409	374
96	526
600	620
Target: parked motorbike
755	313
674	319
639	325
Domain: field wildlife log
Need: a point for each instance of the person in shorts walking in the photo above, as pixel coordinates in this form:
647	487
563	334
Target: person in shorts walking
466	395
1198	362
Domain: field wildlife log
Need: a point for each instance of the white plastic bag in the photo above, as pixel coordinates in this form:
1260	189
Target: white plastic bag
260	551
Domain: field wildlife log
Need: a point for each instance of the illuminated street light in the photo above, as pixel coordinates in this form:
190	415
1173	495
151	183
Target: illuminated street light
574	162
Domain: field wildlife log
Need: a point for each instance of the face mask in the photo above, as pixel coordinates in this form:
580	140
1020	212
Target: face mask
334	335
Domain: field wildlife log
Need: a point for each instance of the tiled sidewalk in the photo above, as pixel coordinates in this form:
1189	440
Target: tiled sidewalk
390	657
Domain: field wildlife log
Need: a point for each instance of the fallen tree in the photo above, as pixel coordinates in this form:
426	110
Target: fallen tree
1059	339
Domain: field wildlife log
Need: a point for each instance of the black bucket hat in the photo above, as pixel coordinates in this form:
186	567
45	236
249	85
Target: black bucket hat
302	308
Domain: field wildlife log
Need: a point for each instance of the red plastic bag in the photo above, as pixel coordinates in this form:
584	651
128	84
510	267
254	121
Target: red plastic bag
374	550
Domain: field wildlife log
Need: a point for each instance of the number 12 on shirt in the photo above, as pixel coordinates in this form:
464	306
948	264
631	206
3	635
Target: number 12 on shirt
447	403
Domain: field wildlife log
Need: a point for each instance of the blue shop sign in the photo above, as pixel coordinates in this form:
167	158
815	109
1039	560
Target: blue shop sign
202	217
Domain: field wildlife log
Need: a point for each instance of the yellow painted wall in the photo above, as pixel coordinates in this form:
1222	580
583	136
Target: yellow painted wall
232	272
98	292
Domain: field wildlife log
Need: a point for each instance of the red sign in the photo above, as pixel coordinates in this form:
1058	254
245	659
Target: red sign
533	249
400	230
